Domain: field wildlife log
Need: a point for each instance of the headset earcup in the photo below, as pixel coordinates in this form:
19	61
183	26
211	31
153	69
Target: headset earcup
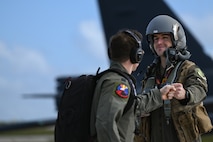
136	55
140	54
133	55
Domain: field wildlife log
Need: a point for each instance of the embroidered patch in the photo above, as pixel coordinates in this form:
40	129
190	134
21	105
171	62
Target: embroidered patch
122	91
200	73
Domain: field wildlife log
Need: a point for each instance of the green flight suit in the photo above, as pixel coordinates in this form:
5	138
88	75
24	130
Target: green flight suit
108	123
182	126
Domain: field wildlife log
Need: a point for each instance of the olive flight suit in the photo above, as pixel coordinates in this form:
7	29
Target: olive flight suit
108	123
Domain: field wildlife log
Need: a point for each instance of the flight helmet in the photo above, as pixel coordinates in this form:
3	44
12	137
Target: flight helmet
166	24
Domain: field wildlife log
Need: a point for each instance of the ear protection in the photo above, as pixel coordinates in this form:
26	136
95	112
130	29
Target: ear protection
136	53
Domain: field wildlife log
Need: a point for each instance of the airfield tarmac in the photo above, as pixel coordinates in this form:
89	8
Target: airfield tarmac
49	137
32	138
43	134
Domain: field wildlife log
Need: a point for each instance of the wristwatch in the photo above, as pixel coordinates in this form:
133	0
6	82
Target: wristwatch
187	98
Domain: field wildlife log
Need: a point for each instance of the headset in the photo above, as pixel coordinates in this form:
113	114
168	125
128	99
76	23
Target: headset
136	53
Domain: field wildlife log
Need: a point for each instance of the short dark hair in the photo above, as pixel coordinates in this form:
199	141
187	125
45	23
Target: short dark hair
121	44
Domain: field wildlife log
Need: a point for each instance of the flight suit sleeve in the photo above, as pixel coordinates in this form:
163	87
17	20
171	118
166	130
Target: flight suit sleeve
195	83
149	101
113	99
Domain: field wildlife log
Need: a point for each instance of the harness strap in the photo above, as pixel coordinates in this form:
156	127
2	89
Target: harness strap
167	103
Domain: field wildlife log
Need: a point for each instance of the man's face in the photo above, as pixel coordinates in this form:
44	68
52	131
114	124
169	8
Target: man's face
161	42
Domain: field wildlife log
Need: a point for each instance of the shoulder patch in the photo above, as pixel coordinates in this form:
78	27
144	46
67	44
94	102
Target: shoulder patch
200	73
122	90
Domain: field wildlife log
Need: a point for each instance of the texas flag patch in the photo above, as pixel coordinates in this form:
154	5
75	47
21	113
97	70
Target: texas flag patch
122	91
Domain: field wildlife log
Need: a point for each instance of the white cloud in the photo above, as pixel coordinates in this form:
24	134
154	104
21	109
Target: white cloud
23	71
22	60
94	36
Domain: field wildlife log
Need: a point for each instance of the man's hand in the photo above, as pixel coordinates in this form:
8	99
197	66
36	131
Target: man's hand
180	91
167	92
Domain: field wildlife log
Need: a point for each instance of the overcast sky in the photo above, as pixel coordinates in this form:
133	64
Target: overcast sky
41	40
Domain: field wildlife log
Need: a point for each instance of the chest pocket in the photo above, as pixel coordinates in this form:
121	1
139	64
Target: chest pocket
148	84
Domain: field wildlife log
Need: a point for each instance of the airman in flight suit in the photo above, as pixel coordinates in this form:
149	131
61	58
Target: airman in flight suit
109	120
